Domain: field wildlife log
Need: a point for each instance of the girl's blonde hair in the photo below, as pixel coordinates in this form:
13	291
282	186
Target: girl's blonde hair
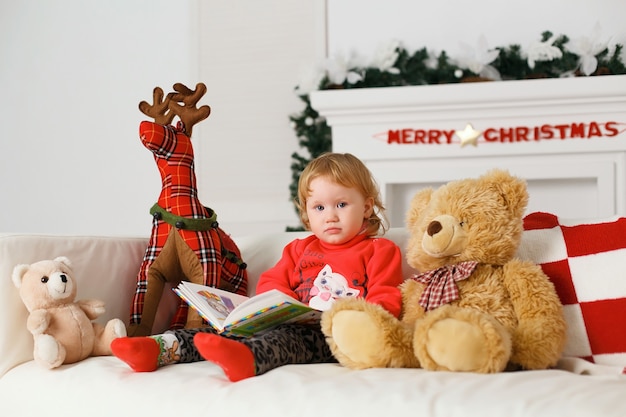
348	171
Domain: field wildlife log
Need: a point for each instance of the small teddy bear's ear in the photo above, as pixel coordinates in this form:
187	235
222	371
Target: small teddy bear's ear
65	261
18	273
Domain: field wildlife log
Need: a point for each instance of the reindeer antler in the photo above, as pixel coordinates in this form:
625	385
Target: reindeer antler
159	110
188	113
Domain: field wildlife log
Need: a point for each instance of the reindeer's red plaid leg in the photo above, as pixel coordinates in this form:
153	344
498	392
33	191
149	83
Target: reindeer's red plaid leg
155	246
180	317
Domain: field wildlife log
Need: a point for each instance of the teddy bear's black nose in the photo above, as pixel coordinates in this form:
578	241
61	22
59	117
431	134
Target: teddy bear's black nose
63	278
433	228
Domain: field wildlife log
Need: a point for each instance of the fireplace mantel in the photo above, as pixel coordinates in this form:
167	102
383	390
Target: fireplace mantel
566	137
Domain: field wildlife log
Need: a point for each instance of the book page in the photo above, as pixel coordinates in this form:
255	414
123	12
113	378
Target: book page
268	318
212	304
260	303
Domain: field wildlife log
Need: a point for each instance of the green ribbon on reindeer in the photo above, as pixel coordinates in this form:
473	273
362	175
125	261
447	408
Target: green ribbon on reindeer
195	225
185	223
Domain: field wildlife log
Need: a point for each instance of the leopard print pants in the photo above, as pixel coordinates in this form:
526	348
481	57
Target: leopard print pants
284	345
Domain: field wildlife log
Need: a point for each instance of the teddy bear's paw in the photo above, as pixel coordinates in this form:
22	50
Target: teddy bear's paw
48	352
456	345
357	337
364	335
114	329
118	329
474	343
38	321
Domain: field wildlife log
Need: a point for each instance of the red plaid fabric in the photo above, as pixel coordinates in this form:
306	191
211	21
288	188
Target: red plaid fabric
173	153
441	283
587	264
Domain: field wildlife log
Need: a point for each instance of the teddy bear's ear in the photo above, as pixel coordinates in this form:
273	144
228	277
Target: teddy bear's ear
18	274
512	189
65	261
418	203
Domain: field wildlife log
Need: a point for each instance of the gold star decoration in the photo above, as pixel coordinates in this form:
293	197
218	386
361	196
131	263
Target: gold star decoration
469	135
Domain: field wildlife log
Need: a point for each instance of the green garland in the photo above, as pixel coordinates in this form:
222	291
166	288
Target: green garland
416	68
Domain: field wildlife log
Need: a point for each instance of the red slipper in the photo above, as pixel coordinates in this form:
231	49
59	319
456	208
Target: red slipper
140	353
235	358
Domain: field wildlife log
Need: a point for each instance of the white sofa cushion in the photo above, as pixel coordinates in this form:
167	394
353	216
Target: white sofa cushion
106	387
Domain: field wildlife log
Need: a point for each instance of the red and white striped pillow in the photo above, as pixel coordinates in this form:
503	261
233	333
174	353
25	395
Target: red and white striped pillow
586	261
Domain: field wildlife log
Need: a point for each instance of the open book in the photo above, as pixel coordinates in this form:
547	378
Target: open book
237	314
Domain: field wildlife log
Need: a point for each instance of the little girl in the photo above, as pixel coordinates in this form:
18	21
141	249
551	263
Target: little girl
339	203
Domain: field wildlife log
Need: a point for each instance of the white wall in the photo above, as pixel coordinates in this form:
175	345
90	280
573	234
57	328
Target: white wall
362	25
71	76
73	71
251	56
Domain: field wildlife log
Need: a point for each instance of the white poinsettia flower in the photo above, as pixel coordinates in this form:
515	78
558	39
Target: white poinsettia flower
353	77
587	48
386	56
339	69
478	59
542	51
310	80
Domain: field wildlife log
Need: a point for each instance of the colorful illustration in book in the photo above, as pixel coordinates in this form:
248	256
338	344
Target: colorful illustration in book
222	305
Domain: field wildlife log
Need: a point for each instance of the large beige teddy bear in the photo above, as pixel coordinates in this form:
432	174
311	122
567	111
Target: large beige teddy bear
472	306
61	327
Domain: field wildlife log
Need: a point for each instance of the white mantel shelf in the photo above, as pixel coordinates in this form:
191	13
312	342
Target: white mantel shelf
428	101
571	176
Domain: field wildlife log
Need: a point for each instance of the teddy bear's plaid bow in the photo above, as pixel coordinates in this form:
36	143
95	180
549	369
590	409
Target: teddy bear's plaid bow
440	283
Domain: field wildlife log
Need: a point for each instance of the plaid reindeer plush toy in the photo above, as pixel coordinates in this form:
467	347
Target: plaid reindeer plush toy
186	241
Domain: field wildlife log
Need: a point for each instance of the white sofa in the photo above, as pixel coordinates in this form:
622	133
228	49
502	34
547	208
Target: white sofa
106	268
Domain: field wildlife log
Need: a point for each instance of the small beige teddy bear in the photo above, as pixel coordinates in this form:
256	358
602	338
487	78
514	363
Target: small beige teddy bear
62	329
